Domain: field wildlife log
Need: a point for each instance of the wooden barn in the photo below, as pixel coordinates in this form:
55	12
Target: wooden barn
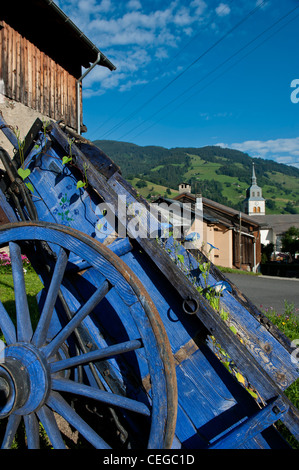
42	57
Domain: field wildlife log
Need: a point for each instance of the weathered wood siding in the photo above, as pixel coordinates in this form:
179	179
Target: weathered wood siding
34	79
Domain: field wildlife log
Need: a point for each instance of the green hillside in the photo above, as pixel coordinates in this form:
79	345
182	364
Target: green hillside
217	173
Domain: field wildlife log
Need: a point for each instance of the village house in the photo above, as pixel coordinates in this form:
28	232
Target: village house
42	58
231	232
273	226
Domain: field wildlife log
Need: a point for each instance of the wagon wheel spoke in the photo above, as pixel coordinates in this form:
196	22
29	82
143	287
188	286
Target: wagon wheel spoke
40	334
97	355
58	404
32	431
63	385
10	431
47	418
83	312
24	328
7	327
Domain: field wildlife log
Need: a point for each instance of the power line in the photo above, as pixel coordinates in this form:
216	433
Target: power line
214	70
223	63
215	44
187	68
169	62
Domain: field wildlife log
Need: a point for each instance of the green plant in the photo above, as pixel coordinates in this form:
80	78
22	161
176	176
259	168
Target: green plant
68	158
84	183
22	171
287	323
290	240
5	263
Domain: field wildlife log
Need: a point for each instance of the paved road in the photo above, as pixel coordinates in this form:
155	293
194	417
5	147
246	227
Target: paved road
268	291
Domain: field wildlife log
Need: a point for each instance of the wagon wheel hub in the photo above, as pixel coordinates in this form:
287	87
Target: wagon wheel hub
20	391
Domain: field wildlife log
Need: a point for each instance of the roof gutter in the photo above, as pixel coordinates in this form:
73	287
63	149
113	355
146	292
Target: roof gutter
78	84
104	61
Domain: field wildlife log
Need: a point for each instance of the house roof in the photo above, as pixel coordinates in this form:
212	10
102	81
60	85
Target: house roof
46	25
280	223
222	211
209	218
215	213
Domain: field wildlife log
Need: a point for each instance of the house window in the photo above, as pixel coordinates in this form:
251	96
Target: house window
259	209
254	209
253	194
258	194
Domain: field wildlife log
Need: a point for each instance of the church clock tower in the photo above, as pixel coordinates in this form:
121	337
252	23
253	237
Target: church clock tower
254	202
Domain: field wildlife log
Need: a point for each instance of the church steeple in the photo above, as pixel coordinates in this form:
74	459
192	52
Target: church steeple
254	202
253	178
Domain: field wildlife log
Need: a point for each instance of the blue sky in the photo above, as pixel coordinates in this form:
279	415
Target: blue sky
194	73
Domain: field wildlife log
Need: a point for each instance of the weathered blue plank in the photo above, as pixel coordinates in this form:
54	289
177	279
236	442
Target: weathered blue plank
269	352
180	328
252	426
211	401
202	384
9	133
58	199
120	247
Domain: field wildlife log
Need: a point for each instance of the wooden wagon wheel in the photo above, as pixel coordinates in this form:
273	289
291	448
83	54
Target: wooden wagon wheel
44	366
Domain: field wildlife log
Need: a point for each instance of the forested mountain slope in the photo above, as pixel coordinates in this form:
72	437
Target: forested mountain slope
221	174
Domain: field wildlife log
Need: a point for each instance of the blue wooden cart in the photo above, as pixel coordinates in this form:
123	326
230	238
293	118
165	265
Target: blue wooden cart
125	352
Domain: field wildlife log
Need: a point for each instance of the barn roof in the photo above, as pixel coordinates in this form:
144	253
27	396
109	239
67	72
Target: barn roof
46	25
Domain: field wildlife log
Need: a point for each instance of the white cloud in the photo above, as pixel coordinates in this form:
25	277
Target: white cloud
120	28
161	53
262	4
271	146
93	6
134	5
138	28
130	84
222	9
101	79
280	150
199	6
183	17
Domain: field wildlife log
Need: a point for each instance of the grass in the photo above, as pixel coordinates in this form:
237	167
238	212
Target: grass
236	271
33	286
233	189
287	323
153	190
